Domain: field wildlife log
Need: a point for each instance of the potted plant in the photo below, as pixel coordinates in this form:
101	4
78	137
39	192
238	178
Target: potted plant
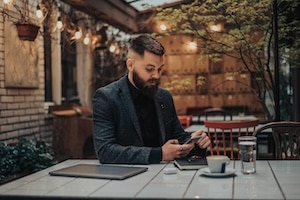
27	30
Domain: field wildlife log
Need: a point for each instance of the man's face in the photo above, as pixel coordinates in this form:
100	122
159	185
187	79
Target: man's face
145	72
147	87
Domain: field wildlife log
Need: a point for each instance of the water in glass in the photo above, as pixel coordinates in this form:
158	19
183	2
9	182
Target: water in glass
247	145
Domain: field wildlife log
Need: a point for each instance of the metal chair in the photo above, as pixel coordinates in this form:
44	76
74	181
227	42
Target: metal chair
286	135
214	112
224	135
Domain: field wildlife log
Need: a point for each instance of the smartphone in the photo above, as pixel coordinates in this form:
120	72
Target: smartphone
193	139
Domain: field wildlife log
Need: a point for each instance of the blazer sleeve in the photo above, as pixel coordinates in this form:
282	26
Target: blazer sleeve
115	137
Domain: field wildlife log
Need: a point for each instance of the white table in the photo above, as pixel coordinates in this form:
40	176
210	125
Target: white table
273	180
221	118
196	127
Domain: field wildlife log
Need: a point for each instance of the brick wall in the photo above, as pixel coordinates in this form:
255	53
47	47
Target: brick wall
22	110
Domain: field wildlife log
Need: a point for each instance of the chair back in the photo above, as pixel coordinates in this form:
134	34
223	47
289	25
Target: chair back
286	135
224	136
208	113
185	120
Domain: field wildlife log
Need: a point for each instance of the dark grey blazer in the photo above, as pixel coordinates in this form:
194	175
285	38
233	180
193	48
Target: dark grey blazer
117	133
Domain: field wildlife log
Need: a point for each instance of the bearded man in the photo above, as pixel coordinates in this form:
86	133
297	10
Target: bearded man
134	120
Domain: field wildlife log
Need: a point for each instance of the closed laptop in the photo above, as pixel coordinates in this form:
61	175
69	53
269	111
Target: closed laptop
113	172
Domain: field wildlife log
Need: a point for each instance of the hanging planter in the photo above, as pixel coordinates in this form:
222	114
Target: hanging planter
27	31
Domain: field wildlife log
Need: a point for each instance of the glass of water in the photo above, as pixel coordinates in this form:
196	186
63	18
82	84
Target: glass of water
247	146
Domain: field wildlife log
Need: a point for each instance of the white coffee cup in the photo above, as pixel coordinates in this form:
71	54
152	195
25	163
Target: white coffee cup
217	163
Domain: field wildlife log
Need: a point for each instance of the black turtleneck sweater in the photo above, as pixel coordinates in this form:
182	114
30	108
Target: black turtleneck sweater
146	112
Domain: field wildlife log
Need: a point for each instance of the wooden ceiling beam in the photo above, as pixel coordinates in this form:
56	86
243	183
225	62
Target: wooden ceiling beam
114	12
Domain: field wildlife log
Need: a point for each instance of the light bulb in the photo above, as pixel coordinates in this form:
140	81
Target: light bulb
86	40
163	27
215	28
39	13
192	45
7	1
112	48
59	23
77	35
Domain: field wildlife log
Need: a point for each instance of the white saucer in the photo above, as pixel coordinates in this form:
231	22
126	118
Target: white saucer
206	172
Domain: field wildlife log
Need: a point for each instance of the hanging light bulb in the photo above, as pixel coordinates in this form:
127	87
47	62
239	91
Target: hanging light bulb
86	39
163	27
7	1
39	12
77	35
216	27
112	48
192	45
59	23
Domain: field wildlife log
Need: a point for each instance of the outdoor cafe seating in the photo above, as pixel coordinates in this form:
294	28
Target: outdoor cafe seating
224	135
286	136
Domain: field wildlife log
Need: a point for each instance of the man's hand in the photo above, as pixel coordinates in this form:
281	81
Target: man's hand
204	141
172	149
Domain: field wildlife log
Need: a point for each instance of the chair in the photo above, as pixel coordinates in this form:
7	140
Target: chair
224	135
286	135
185	120
214	112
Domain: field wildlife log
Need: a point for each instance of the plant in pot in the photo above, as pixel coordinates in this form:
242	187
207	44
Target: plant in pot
27	29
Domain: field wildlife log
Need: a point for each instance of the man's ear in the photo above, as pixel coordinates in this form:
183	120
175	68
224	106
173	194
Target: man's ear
129	64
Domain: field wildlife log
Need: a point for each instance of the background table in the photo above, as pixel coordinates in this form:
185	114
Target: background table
195	119
273	180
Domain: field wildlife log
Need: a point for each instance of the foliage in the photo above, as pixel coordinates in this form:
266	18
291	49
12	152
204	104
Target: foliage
241	29
177	83
25	156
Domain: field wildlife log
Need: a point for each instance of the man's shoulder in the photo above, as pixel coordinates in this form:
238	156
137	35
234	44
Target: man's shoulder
114	86
163	92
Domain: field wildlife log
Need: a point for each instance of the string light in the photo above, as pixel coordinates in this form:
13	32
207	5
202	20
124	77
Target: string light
77	35
99	39
163	27
112	48
39	12
59	24
86	39
216	27
8	1
192	45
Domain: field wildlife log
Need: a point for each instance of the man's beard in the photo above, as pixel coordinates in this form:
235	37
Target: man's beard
148	90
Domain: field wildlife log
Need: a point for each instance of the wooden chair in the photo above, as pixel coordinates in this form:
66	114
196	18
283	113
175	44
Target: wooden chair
286	135
185	120
214	112
224	135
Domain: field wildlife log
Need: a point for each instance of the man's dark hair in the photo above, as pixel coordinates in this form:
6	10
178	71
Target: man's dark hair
144	43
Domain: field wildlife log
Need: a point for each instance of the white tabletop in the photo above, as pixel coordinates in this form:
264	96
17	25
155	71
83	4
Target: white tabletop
273	180
221	118
196	127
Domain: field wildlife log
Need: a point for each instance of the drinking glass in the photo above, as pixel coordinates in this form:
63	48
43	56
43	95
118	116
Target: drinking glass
247	146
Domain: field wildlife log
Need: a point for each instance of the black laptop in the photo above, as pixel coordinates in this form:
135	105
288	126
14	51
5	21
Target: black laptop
104	171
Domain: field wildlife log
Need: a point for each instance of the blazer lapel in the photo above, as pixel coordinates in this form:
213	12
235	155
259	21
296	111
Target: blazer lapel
128	105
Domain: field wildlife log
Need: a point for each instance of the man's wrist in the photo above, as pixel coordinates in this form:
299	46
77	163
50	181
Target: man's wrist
155	155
